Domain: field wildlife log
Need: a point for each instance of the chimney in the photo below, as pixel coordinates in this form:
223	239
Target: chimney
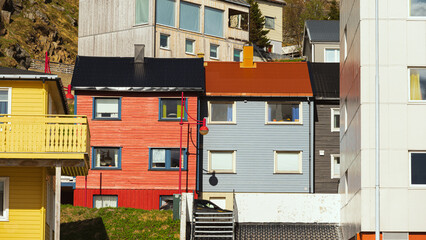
248	58
139	53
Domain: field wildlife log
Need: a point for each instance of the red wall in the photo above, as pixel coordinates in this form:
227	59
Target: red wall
138	130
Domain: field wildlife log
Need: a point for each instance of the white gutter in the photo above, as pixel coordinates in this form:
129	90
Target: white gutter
377	232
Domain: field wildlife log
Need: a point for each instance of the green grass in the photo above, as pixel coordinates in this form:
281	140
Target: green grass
292	60
117	223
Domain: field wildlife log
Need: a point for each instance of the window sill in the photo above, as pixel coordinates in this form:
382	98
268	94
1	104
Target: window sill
416	18
335	130
141	24
105	168
416	102
192	54
172	120
221	172
222	123
106	119
217	59
284	123
165	49
164	169
4	219
294	173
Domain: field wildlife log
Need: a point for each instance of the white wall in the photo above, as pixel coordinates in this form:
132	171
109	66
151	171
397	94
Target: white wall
289	208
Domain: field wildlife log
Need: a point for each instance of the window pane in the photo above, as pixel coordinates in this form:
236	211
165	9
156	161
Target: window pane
171	108
142	11
418	8
174	158
164	41
189	16
288	162
237	55
213	51
221	161
332	55
166	12
269	22
336	120
336	166
417	84
189	46
106	108
221	112
283	112
106	157
158	158
105	201
418	166
213	22
1	198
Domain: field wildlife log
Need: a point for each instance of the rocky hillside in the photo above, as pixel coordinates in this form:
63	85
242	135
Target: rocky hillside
29	28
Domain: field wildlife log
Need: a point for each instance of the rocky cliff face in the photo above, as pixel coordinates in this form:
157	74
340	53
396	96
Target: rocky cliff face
29	28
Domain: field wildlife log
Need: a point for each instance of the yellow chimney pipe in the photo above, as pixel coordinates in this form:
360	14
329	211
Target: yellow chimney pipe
248	58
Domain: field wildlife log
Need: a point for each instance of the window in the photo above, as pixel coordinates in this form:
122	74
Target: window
164	41
237	55
221	161
332	55
103	201
164	199
189	46
335	120
4	199
417	168
237	19
283	113
166	12
269	22
222	112
214	51
142	11
335	166
5	100
107	108
418	8
346	42
189	16
170	109
417	84
213	22
106	158
288	162
166	159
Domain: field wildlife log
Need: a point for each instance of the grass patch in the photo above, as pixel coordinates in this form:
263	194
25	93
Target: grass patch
117	223
292	60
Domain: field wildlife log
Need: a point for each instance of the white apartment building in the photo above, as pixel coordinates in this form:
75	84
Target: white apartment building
402	56
167	28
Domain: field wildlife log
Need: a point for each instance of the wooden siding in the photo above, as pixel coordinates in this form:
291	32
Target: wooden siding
132	198
255	142
276	11
138	130
329	142
26	211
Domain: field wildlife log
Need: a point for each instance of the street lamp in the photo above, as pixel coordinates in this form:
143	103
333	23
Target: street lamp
203	131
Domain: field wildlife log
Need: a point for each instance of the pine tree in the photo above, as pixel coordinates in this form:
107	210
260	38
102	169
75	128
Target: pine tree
257	34
334	12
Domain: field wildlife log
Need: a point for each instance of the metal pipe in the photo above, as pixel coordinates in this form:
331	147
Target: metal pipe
85	191
377	233
180	148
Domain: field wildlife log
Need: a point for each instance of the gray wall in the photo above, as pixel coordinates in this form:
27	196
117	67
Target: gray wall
255	143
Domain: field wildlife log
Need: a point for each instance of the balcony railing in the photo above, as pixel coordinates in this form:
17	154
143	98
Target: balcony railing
44	134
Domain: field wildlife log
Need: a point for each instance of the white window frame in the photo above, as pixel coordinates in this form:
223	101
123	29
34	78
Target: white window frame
193	46
234	112
333	174
333	113
413	17
273	18
233	170
325	54
217	51
345	43
409	85
300	122
168	41
104	195
276	152
5	217
9	98
345	111
423	186
241	54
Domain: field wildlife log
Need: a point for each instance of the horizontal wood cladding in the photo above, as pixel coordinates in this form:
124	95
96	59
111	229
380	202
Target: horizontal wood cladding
138	130
25	203
132	198
328	141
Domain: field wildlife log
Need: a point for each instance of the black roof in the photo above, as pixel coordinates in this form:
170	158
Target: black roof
325	80
155	74
323	30
15	71
239	2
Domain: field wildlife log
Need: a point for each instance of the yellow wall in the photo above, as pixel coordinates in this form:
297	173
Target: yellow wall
26	201
273	10
229	198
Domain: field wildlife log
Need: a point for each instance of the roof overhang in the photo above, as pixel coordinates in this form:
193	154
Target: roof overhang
141	89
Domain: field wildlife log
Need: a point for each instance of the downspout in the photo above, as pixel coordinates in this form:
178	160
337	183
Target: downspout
198	176
377	233
155	28
311	143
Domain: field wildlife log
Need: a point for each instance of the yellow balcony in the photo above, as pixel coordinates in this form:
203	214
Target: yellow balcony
45	140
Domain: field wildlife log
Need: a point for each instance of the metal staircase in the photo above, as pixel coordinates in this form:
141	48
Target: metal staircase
213	225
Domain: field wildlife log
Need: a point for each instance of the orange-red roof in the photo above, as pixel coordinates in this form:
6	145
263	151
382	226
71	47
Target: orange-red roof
267	79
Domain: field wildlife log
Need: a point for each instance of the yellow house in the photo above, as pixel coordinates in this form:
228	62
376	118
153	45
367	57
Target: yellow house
272	10
38	143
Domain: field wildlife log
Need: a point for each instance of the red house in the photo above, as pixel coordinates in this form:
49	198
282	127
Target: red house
134	109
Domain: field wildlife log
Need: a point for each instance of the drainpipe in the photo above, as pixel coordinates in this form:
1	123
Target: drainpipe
311	145
155	28
377	127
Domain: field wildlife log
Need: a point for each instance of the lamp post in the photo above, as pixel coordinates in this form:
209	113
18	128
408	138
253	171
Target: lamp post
203	131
